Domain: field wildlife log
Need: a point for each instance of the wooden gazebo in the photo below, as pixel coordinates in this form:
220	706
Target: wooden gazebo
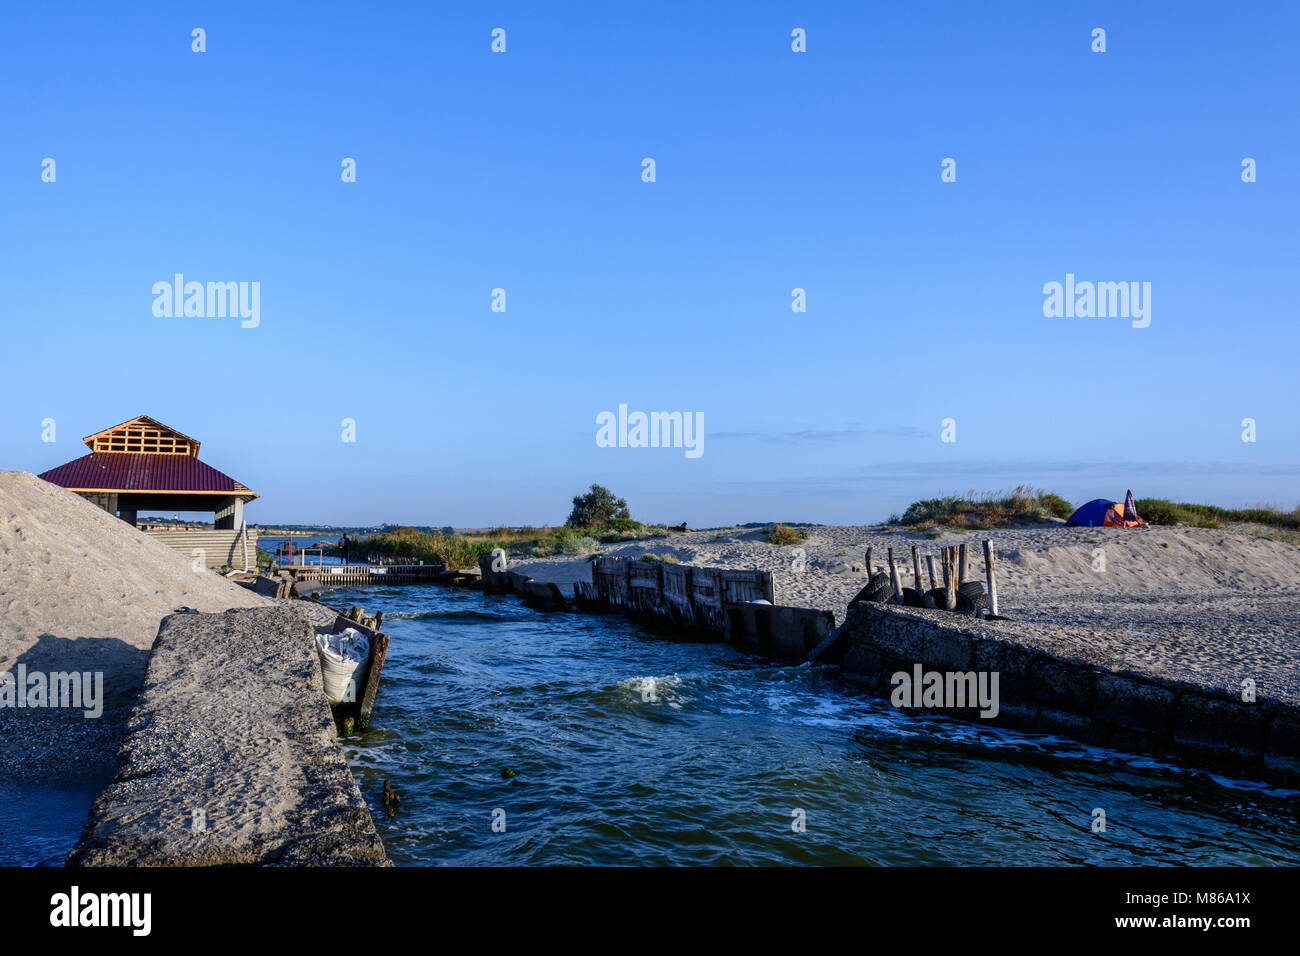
143	465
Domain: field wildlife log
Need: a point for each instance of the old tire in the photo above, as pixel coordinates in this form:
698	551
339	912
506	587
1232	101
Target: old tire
971	589
972	606
938	598
875	591
878	588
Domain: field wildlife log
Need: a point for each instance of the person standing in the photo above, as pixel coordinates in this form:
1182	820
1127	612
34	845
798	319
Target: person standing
344	543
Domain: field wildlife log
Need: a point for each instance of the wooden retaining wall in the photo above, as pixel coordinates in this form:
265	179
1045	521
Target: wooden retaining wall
718	600
687	595
789	632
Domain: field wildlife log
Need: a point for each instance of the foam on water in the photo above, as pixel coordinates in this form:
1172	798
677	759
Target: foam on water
487	705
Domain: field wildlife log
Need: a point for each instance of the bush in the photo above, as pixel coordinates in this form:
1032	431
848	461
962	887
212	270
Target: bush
1023	505
597	507
1056	505
781	534
1157	511
622	524
1165	512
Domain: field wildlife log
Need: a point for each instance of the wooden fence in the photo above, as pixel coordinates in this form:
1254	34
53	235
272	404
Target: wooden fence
686	595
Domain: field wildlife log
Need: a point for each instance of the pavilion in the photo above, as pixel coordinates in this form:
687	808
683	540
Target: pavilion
143	465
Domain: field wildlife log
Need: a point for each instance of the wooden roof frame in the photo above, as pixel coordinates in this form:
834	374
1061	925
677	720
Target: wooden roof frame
166	441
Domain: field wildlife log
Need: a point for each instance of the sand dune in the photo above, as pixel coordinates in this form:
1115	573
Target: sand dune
80	590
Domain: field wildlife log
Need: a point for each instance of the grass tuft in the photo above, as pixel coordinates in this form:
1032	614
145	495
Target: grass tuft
1023	505
783	534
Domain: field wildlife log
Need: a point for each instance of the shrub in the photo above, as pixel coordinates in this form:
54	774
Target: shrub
1023	505
621	525
597	507
781	534
1165	512
1056	505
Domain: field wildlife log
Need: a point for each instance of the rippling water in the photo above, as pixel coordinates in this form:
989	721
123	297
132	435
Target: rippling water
712	770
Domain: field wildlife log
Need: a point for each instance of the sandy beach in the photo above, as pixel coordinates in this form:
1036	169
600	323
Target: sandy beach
1193	604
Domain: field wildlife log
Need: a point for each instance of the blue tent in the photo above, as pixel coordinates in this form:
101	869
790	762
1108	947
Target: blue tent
1093	513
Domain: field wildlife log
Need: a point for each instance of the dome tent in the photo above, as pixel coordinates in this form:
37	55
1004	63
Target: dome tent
1111	514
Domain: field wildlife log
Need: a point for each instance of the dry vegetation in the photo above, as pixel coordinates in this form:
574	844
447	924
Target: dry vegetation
1022	506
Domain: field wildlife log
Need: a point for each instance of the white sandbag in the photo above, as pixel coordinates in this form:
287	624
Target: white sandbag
341	656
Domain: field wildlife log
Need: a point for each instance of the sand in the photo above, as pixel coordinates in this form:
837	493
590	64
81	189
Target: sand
1191	604
83	591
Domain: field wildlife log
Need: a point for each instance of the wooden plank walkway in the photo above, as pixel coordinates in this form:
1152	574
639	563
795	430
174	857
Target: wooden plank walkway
348	574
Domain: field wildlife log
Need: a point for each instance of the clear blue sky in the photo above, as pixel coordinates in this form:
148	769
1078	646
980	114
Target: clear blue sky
775	170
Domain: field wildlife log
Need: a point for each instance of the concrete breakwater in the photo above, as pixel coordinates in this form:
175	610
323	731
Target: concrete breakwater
231	755
737	605
1046	689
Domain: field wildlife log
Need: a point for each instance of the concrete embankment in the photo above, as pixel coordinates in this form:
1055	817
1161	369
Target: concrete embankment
230	755
1049	689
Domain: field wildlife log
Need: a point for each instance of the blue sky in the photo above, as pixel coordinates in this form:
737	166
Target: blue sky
775	170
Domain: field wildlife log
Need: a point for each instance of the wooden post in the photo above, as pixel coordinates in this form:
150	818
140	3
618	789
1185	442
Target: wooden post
893	578
869	568
916	569
991	574
949	573
961	566
929	563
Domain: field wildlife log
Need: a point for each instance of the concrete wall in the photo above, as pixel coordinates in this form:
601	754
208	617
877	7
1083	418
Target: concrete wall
1041	691
231	729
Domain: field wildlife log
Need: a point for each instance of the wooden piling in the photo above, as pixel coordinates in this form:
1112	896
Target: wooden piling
949	574
991	574
929	564
961	564
870	569
893	578
916	569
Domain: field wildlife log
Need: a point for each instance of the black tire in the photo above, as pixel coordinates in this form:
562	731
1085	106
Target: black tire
971	588
879	587
875	591
939	599
972	606
913	597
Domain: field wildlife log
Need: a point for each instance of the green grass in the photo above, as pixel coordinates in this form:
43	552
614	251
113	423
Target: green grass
462	551
1164	512
783	534
1023	505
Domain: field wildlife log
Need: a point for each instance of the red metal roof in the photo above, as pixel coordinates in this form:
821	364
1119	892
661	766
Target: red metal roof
117	471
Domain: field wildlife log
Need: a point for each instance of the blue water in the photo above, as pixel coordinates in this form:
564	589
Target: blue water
40	822
268	544
713	770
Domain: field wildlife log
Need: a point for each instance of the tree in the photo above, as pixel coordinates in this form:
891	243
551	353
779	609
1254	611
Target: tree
596	507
